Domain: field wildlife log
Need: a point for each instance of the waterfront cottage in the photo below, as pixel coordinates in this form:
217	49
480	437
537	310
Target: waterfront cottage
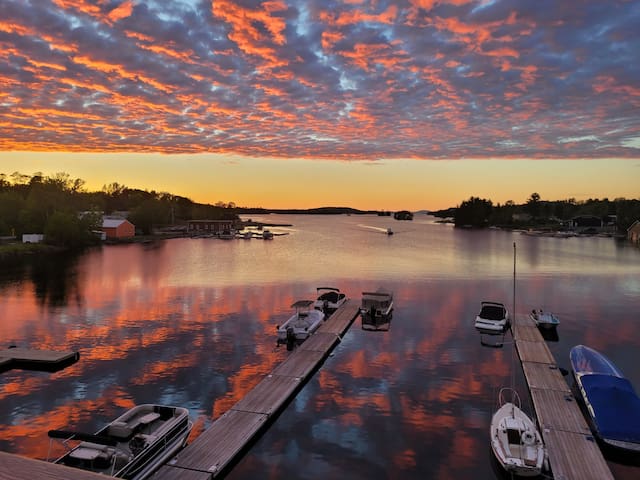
118	228
633	232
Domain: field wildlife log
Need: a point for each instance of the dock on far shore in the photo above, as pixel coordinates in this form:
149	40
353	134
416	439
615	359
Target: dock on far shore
571	447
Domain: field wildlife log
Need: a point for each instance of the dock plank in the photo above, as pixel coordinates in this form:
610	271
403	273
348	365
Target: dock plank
217	446
341	319
320	341
575	456
300	364
528	333
269	395
534	352
557	410
544	375
169	472
15	467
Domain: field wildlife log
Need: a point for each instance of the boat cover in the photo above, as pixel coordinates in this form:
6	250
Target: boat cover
616	406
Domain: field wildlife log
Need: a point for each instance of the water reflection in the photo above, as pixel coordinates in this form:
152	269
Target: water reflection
193	322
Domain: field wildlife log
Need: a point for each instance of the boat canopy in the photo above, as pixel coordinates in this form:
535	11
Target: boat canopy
376	299
616	406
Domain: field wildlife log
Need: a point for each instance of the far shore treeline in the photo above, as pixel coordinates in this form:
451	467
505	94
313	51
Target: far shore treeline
543	214
69	216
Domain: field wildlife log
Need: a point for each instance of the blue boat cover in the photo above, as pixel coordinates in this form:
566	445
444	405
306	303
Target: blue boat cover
616	406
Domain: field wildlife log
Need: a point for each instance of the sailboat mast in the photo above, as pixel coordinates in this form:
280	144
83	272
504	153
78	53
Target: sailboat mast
514	282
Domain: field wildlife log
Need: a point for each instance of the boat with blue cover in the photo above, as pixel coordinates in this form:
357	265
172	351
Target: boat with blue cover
612	403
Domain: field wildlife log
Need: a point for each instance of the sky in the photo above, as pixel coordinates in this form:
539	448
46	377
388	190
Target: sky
415	104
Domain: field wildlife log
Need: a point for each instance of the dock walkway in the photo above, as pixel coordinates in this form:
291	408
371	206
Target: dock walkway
572	449
228	437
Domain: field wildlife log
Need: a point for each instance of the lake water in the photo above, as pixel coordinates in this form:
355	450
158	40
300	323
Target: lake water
191	322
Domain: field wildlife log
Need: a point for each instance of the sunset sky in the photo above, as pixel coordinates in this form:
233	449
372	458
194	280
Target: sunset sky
382	104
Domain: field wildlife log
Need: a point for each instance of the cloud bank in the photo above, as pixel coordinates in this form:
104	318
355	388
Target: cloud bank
348	80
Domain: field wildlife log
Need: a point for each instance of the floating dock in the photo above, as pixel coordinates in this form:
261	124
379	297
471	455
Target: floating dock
213	451
45	360
572	449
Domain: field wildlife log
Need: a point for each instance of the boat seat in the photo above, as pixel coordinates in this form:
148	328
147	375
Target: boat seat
120	430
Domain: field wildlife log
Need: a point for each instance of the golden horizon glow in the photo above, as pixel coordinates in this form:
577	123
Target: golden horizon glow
373	185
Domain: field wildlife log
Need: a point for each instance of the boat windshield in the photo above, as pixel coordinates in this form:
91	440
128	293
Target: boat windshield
586	360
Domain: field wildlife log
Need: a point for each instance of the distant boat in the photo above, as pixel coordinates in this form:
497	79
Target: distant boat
329	299
267	234
515	440
389	231
133	446
612	403
304	322
545	320
493	317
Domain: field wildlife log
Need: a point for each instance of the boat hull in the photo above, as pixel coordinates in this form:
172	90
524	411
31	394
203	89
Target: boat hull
515	442
545	320
612	404
300	325
133	446
493	318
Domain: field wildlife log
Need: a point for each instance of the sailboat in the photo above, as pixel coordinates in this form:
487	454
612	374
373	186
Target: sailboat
515	440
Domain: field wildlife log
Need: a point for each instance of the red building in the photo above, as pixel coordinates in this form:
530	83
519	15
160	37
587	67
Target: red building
118	228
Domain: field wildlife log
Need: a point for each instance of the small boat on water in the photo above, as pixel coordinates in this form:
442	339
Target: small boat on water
329	299
612	403
267	234
389	231
493	317
376	308
133	446
304	322
515	440
544	319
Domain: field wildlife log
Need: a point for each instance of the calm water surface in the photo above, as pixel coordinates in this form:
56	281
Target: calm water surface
192	322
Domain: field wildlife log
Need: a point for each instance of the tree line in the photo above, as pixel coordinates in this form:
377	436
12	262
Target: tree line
480	212
60	207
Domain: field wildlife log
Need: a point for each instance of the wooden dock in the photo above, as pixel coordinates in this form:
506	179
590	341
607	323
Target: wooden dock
231	434
216	449
572	449
47	360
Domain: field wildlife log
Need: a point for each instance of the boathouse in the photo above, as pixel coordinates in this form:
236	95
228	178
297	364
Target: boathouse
118	228
633	232
214	227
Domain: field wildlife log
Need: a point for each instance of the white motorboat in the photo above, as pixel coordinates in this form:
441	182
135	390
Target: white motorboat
329	299
304	322
493	317
133	446
515	440
376	307
544	319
